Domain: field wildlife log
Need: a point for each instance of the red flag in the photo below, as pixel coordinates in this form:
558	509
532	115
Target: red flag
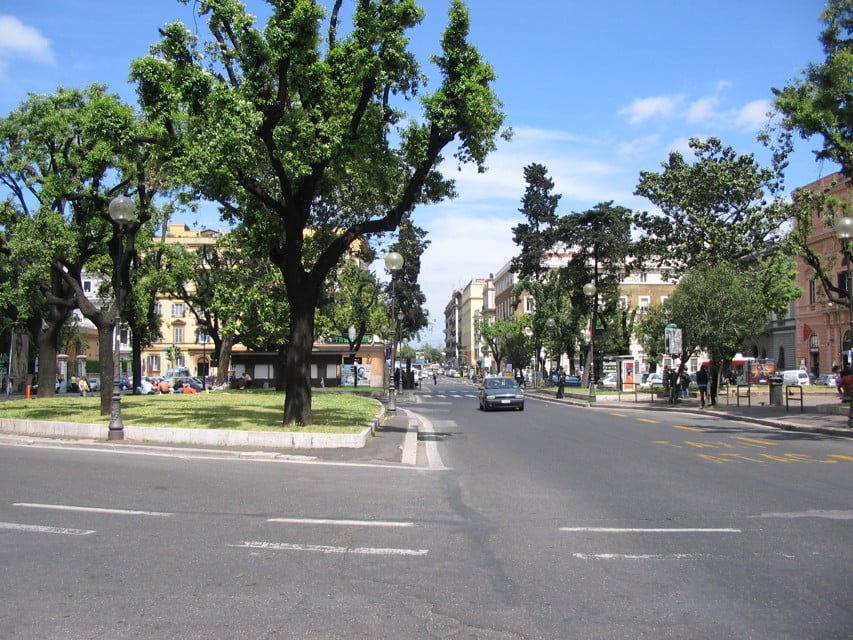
807	332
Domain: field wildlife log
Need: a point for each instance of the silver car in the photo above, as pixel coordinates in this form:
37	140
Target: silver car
501	393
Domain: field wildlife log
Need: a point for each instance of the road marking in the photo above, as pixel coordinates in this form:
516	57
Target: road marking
651	530
342	523
643	556
755	441
650	421
434	460
66	507
619	415
320	548
39	529
831	514
678	426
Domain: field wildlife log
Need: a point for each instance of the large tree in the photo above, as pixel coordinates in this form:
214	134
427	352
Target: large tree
820	101
718	312
295	127
63	157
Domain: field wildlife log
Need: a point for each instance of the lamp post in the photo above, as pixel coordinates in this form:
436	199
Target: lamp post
844	233
122	211
590	290
351	335
550	323
393	262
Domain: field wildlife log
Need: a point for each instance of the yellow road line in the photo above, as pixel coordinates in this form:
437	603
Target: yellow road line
678	426
648	420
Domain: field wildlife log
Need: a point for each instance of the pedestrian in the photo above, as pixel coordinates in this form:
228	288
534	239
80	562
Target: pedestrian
83	386
685	384
561	382
702	383
845	385
673	386
435	377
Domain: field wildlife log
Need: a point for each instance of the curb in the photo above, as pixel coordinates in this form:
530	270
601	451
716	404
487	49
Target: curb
203	437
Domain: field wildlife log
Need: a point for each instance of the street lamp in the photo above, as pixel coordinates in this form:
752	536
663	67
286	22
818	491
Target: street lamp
123	212
393	262
589	291
844	233
351	335
550	323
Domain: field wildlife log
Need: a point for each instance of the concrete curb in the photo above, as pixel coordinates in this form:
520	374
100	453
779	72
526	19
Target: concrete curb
206	437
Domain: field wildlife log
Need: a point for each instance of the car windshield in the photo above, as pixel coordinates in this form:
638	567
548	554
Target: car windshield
501	383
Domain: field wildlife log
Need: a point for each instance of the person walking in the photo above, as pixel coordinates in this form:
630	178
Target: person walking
83	386
702	383
673	386
561	382
685	384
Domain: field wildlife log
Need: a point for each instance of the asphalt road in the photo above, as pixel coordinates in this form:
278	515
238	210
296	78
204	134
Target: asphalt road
554	522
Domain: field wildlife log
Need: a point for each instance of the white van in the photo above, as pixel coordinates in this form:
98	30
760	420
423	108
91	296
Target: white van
796	376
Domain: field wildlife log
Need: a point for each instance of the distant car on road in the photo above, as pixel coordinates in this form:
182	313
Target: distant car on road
653	380
827	380
94	384
501	393
609	381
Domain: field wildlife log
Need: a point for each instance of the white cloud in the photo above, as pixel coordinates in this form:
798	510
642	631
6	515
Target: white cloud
754	115
644	109
20	41
703	110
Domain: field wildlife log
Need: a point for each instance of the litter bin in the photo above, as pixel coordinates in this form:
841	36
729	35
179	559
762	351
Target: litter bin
776	392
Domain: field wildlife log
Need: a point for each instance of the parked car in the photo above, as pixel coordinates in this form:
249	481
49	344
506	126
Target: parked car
653	380
609	381
827	380
573	381
94	384
796	376
501	393
179	382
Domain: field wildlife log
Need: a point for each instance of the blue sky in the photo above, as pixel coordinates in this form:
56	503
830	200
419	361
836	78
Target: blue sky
595	91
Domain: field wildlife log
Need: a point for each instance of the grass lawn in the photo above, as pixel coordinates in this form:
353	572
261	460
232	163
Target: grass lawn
335	412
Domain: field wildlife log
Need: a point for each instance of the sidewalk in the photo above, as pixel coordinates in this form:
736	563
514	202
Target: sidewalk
819	412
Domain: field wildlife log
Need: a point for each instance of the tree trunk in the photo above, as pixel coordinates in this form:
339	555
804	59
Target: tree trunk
297	384
106	347
223	362
47	339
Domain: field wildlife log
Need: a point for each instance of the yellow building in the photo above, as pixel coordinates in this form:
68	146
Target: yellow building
178	327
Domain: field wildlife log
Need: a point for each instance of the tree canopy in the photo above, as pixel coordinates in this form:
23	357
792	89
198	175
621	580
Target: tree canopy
297	126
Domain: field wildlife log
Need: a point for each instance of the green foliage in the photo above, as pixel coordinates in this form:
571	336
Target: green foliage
717	310
508	341
289	131
723	207
820	102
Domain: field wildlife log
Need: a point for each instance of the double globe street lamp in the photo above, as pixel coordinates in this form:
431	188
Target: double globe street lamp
122	212
589	290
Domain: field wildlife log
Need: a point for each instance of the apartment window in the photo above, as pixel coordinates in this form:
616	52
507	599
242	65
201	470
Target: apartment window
623	302
158	309
178	335
644	277
529	304
179	309
644	302
152	364
812	292
87	286
202	337
663	299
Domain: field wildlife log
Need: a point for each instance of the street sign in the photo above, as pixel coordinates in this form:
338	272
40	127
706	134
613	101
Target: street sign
672	340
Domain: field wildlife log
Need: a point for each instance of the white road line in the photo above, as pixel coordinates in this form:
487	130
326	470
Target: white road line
434	460
342	523
831	514
67	507
31	528
633	530
641	556
319	548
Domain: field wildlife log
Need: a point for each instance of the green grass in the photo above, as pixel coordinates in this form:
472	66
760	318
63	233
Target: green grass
240	410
